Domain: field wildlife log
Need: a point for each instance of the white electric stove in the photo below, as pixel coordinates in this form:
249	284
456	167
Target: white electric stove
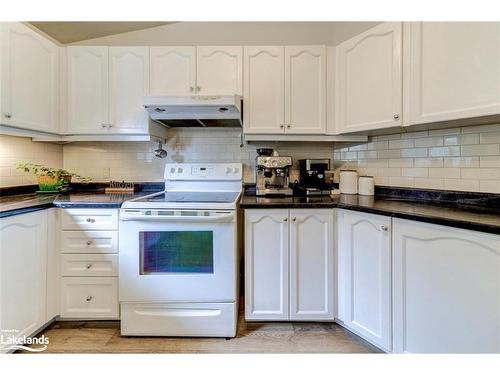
179	256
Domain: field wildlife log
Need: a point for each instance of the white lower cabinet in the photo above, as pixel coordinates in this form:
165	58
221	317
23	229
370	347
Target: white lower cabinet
289	264
364	272
89	264
446	289
23	275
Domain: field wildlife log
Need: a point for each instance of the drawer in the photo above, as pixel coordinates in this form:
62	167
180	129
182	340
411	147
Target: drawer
89	297
89	264
178	319
89	242
89	219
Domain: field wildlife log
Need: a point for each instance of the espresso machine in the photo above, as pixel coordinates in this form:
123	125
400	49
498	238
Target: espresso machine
315	177
272	175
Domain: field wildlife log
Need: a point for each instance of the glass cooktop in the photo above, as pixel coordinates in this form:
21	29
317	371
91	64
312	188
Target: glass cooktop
194	197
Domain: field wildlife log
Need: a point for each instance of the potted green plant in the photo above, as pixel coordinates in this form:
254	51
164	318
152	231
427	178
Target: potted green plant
50	179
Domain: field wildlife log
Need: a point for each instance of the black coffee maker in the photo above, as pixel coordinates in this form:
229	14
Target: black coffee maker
313	179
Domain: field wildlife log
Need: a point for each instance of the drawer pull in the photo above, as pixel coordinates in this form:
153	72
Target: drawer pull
90	220
89	243
385	228
88	266
88	299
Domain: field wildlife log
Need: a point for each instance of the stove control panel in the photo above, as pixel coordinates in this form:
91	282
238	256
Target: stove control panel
204	171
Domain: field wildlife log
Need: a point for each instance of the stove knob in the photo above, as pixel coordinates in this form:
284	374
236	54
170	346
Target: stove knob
228	170
172	170
179	170
235	170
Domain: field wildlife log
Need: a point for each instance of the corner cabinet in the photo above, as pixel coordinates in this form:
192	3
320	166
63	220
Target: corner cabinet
369	80
29	79
446	289
364	275
284	90
452	70
289	264
23	274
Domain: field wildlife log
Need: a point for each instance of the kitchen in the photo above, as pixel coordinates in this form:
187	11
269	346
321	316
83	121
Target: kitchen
250	187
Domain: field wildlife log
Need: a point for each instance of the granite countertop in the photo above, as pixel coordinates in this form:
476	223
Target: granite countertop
18	204
485	219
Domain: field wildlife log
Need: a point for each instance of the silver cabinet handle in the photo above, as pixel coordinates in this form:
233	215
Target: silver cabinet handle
288	126
285	219
198	88
110	126
89	243
191	88
396	116
89	298
90	220
294	219
282	126
8	115
88	266
384	228
103	126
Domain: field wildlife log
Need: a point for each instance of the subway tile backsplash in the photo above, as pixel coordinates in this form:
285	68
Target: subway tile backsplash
465	159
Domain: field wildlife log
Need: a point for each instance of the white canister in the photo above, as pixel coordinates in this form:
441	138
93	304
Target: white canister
348	182
366	185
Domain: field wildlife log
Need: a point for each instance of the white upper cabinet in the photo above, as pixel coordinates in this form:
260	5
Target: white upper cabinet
219	70
128	83
30	79
364	263
305	89
266	265
173	70
311	264
452	70
369	80
88	101
264	90
446	289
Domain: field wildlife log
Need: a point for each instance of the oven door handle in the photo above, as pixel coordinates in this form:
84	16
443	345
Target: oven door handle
218	218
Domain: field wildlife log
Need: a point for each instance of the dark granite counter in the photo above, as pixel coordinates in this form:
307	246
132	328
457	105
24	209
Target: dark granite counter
95	199
19	204
484	219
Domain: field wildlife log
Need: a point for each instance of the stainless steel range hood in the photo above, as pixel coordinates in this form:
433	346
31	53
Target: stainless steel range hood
195	111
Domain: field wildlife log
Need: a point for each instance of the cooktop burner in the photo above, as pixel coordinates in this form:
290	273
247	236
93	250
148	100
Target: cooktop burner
194	197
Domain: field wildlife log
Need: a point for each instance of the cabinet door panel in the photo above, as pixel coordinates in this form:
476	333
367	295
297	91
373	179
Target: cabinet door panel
30	79
128	83
305	89
311	264
365	261
454	70
446	289
23	262
266	265
370	79
173	70
264	90
87	90
219	70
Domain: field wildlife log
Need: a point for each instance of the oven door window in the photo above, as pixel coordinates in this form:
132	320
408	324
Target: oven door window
176	252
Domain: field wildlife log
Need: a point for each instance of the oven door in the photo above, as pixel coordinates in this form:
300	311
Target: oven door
177	256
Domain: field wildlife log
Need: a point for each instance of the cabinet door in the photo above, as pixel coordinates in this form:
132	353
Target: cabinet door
454	70
311	264
128	83
23	262
219	70
365	275
88	109
446	289
305	89
30	79
264	90
369	83
266	265
172	70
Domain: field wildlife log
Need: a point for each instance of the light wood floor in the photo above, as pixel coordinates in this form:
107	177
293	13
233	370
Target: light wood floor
283	337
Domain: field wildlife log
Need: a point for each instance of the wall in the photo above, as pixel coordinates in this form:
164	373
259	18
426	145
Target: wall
237	33
465	159
16	149
134	161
